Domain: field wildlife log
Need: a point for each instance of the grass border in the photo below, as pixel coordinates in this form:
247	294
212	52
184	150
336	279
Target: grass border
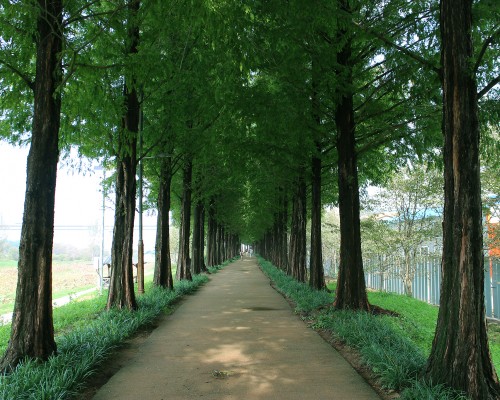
396	362
84	348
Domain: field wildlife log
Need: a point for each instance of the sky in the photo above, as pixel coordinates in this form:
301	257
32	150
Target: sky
78	206
78	196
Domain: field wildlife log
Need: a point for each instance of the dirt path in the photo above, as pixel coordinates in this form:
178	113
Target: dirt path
237	338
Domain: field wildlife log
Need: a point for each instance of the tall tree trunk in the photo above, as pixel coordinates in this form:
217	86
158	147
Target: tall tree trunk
317	276
202	242
163	266
211	236
297	255
284	233
184	261
198	263
219	243
351	289
121	290
460	354
32	330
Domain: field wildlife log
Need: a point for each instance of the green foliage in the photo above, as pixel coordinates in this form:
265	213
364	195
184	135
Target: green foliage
392	357
77	314
306	299
421	390
416	319
17	69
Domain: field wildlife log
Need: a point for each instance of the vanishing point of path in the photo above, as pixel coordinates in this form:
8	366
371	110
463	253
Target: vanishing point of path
236	338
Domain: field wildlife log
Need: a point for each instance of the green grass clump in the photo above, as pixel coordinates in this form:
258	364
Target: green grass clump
393	358
416	319
394	348
421	390
87	336
305	298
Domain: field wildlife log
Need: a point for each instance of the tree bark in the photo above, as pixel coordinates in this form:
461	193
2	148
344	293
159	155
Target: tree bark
297	257
121	290
283	232
163	266
198	240
32	330
317	276
184	261
203	264
219	243
211	236
460	354
351	289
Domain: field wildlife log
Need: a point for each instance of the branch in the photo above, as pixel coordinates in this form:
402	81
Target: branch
80	17
402	49
489	86
22	75
393	133
485	46
99	66
381	112
148	150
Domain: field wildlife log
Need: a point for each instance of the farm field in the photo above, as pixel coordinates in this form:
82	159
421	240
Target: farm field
67	277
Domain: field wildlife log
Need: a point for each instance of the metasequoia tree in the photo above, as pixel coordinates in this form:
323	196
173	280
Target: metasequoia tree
32	332
316	275
460	355
297	249
184	260
351	289
198	259
121	290
163	267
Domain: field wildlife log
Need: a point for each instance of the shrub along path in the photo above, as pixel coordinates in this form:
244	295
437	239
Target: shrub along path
237	338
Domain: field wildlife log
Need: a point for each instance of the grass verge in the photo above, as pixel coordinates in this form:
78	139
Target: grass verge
395	349
86	335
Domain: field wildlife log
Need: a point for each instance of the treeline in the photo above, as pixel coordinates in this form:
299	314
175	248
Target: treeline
244	119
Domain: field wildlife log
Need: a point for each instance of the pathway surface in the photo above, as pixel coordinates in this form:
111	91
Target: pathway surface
236	338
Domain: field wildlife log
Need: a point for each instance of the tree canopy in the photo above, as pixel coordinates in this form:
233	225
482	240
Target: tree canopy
255	115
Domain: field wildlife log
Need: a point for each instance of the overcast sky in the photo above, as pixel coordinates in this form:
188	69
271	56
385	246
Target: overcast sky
78	203
78	198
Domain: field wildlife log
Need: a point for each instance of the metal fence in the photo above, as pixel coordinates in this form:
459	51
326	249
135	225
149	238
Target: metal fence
385	274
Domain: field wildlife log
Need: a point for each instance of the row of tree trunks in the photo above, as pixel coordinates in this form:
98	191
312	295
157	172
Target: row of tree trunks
211	236
32	330
221	245
316	271
198	263
274	244
460	354
297	254
163	265
121	291
184	260
282	239
351	290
